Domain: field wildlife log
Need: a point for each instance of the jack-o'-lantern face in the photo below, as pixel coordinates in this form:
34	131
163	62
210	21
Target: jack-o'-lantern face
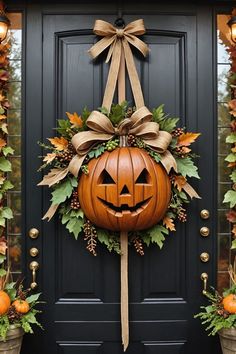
125	190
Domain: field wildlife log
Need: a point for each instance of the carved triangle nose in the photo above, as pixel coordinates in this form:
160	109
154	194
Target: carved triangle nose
124	190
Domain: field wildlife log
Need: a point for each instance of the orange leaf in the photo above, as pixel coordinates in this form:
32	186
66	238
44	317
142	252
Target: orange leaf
2	143
49	157
3	246
2	116
59	143
186	139
75	120
179	182
234	230
231	164
169	223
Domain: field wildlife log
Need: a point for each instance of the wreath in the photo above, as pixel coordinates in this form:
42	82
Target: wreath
64	184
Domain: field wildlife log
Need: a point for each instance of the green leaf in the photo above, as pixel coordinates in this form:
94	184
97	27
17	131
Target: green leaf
233	246
75	226
12	294
231	157
2	221
233	176
74	182
186	167
157	233
2	258
33	298
10	286
103	236
118	112
62	192
7	185
85	114
3	126
63	126
5	165
168	124
6	213
7	150
77	213
231	138
230	197
2	272
158	114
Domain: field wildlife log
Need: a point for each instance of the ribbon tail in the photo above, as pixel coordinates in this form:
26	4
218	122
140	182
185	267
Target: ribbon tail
168	161
51	211
124	298
75	164
190	191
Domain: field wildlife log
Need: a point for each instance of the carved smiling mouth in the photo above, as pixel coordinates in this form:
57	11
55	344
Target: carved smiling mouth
124	208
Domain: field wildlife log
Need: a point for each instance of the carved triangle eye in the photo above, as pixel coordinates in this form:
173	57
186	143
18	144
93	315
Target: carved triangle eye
143	177
106	178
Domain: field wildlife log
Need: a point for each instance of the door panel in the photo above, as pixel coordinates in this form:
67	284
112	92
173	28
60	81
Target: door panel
82	314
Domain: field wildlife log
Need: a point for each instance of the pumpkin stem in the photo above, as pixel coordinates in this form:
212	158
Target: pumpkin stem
123	140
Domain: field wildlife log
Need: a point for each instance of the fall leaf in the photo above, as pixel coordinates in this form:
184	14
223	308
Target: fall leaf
3	246
231	216
179	182
49	157
2	143
185	150
233	149
59	143
169	223
2	116
231	164
234	230
75	120
186	139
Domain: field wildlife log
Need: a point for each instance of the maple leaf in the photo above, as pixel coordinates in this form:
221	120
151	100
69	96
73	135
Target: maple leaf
2	143
179	182
59	143
3	246
186	139
169	223
75	120
231	216
49	157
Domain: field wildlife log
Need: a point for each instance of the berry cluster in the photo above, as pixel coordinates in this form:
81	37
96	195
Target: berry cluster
130	111
131	140
112	144
177	132
181	152
182	215
74	202
90	235
138	245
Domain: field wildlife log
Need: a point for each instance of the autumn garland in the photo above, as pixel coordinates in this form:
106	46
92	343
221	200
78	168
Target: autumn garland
5	150
65	193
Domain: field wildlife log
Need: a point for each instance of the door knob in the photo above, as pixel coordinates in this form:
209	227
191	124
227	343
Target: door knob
204	278
205	214
204	231
34	266
204	256
33	233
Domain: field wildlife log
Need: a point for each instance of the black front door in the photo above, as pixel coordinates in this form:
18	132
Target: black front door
81	314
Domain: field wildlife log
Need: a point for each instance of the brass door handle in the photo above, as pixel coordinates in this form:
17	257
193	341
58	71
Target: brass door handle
204	278
34	266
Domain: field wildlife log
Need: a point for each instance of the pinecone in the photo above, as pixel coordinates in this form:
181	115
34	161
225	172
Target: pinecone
131	140
90	235
138	244
182	215
129	112
67	155
74	203
177	132
13	315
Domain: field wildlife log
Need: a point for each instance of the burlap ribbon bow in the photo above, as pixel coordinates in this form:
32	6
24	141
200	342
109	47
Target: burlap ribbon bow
120	53
139	125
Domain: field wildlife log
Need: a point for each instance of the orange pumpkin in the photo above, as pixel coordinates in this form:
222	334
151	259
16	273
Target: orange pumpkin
124	190
5	302
21	306
229	303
